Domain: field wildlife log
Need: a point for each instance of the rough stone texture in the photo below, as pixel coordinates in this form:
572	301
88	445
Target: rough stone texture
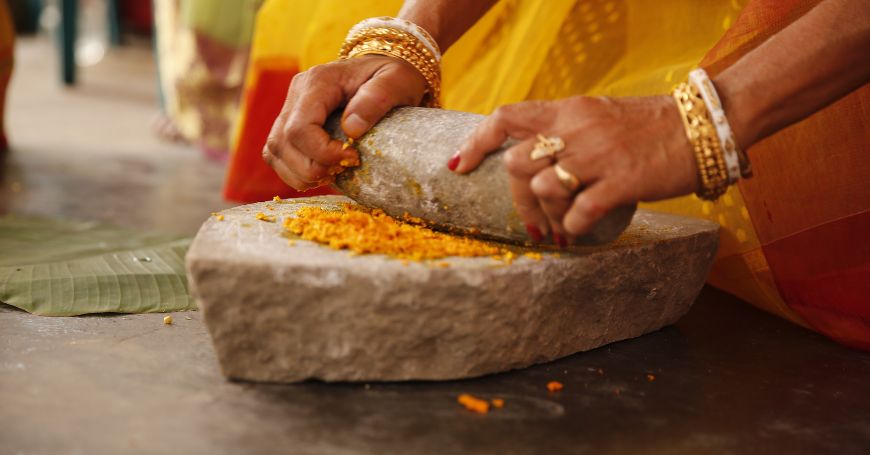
281	312
404	169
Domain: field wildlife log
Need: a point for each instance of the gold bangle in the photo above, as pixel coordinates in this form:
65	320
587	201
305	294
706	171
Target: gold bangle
704	139
402	45
736	159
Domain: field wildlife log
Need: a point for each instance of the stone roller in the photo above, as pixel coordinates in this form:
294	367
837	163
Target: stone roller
403	169
290	312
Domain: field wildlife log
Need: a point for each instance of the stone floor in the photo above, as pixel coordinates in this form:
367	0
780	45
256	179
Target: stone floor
89	152
727	378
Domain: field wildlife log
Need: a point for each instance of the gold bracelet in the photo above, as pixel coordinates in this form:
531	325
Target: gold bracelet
402	45
704	139
736	159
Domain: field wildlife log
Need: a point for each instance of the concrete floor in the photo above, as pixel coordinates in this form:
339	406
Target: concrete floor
89	153
728	378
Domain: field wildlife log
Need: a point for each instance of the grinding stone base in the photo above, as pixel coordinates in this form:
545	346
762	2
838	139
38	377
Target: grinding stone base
284	313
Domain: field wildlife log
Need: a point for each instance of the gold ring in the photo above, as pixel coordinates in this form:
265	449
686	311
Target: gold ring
547	146
567	179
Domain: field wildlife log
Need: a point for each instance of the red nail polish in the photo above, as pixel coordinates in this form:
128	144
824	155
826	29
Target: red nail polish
560	240
454	162
534	232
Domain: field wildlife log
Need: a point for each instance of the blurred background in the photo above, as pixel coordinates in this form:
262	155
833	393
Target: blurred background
121	111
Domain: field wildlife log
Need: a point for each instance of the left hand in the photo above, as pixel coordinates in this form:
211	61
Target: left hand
622	150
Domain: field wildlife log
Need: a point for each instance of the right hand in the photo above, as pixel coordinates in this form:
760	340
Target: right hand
300	150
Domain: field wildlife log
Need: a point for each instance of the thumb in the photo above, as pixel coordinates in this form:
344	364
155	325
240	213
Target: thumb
388	88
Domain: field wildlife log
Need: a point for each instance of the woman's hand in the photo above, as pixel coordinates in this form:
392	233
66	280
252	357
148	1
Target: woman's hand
299	149
622	150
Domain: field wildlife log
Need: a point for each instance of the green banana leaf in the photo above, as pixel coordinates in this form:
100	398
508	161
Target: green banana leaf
65	268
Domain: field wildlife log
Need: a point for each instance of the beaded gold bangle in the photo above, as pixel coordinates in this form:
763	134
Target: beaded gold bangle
400	44
705	141
735	158
400	24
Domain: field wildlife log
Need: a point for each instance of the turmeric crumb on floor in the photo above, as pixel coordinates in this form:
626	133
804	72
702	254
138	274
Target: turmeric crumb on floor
555	386
473	404
497	403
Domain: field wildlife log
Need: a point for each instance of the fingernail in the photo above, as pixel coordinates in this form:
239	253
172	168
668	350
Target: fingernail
534	232
560	240
355	126
454	161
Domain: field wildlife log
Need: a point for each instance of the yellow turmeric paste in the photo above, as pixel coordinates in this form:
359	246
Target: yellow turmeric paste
374	232
263	217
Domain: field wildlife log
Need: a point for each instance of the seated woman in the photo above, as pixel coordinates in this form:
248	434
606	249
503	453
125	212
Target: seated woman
784	88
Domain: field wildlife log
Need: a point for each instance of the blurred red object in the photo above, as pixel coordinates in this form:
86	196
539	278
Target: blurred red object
136	15
249	179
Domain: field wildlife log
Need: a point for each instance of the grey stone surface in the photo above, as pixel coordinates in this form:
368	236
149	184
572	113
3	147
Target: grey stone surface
404	169
281	312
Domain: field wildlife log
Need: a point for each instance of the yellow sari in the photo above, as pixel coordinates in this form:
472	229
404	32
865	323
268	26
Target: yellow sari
790	248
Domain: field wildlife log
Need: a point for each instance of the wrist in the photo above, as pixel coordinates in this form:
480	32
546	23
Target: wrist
681	155
431	25
745	109
444	19
400	39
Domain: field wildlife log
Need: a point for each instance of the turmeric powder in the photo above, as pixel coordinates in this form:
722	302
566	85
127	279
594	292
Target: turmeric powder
263	217
374	232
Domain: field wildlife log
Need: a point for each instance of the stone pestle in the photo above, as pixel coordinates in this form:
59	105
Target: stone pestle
403	170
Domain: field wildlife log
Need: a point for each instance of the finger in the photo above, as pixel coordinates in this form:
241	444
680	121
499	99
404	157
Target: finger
527	208
310	100
593	203
292	166
315	143
519	163
521	170
512	121
283	172
554	199
380	94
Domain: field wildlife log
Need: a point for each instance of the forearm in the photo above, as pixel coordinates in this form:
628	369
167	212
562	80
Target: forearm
813	62
445	20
